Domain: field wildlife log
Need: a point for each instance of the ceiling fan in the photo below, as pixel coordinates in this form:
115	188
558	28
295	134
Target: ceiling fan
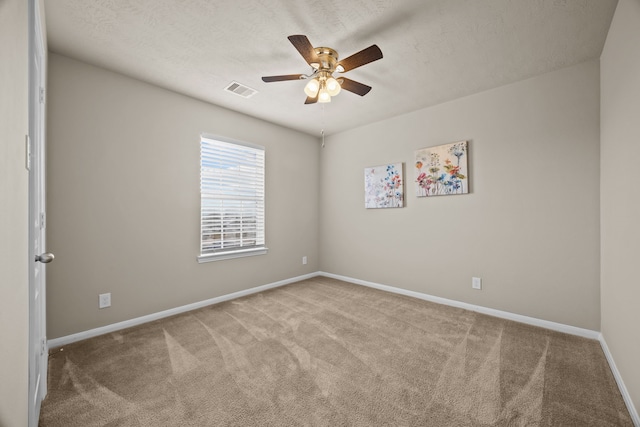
324	62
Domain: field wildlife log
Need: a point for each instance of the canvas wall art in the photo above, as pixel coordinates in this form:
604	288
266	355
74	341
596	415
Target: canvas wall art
442	170
383	186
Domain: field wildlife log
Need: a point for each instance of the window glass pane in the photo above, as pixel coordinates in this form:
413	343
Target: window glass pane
232	196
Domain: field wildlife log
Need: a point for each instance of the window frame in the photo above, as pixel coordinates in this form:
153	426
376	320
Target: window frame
234	252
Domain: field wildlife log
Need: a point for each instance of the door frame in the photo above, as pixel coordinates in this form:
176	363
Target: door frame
38	351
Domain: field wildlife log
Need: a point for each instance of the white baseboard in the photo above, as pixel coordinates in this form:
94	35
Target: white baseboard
623	388
560	327
68	339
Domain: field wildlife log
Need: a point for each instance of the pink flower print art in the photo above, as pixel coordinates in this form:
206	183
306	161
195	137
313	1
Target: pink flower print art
442	170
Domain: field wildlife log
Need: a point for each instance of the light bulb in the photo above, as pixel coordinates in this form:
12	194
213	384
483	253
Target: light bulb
311	89
324	96
333	87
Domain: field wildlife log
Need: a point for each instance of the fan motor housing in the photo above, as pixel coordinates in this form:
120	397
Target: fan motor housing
328	59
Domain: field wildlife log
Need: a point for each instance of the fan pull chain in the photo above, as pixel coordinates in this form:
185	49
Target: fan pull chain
322	130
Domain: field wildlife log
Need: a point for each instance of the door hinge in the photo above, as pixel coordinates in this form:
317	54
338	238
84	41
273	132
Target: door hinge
27	152
41	95
43	346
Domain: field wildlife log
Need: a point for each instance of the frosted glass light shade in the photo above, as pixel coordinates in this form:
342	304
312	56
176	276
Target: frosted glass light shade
312	88
333	87
324	96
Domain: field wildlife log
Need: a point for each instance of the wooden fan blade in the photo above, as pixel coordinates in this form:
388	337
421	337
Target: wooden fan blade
311	100
305	48
354	86
370	54
270	79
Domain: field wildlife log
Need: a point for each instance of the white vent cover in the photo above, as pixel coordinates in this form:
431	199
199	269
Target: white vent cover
241	90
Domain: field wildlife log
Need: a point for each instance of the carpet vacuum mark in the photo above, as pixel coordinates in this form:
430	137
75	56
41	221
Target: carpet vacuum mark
323	352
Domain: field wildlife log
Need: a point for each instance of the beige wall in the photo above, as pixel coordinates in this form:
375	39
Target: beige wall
124	199
14	188
619	185
529	228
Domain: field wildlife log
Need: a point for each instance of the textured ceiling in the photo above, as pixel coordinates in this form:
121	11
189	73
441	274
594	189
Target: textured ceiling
434	50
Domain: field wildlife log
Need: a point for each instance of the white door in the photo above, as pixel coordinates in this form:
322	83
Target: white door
38	353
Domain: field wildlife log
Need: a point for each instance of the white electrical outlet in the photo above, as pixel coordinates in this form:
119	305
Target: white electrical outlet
476	283
304	260
104	300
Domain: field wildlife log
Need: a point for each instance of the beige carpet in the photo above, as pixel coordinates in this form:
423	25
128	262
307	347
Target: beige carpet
328	353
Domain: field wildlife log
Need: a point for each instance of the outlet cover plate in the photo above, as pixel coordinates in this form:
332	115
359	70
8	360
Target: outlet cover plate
476	283
104	300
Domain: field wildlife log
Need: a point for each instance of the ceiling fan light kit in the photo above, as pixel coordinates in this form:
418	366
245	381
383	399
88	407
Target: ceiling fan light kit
322	87
324	62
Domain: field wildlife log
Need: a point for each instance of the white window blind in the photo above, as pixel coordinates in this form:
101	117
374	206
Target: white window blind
231	199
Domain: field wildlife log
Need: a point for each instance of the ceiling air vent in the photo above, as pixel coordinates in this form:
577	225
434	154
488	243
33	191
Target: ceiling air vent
241	90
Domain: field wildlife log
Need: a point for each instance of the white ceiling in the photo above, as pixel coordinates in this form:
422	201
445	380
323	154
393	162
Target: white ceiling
434	50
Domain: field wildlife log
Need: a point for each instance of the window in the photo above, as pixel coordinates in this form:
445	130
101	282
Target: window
231	199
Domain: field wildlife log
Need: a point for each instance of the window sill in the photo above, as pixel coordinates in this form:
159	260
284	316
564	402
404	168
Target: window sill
232	254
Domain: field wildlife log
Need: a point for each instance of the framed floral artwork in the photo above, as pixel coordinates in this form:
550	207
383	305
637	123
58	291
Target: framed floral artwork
442	170
383	186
